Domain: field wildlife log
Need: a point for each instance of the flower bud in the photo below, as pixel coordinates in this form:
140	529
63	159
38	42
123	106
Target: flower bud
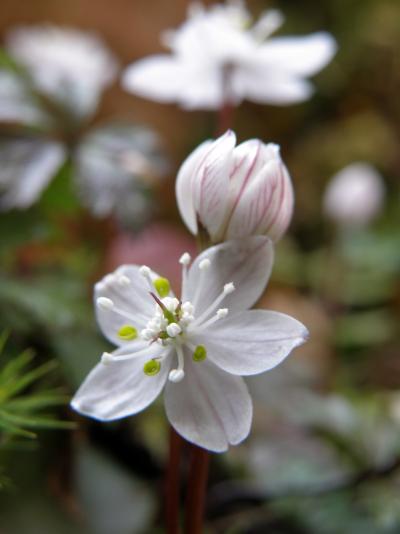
355	195
235	191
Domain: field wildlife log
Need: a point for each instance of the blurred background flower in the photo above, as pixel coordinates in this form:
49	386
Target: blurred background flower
69	66
354	195
51	83
219	56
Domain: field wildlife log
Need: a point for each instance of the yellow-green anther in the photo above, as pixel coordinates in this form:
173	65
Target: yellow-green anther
152	367
127	332
162	286
200	353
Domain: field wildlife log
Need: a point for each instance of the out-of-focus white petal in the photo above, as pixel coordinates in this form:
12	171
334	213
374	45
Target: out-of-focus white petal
131	298
184	185
160	78
209	407
115	166
355	195
27	166
247	263
267	24
252	342
119	389
211	183
70	66
17	104
298	56
267	86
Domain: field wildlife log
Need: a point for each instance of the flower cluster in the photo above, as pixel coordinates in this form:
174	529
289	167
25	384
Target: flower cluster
239	199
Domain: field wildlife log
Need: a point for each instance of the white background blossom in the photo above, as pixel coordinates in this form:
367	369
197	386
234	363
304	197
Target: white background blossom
218	56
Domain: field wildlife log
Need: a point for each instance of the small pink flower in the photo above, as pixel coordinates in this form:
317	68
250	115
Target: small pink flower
235	191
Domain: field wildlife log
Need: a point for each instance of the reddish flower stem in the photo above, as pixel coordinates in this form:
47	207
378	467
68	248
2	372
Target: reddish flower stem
172	483
197	484
224	118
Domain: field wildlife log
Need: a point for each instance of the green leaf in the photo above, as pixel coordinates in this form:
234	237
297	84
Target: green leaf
37	401
34	422
12	429
27	379
12	368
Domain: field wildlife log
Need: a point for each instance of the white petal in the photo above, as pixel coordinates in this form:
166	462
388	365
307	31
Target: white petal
17	104
266	205
27	166
203	88
268	86
298	56
268	23
119	389
133	299
211	184
209	407
69	65
184	185
252	342
246	263
248	159
159	78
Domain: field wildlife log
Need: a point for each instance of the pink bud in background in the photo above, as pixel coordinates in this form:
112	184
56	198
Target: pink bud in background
355	195
235	191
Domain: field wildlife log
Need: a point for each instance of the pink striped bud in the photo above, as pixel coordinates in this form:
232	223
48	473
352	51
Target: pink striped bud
235	191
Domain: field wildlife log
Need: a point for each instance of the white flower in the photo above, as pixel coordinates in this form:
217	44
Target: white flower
218	57
355	195
214	340
235	191
68	65
115	166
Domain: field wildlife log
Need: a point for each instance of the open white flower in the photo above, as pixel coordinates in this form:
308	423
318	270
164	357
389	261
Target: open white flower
218	57
70	66
235	191
195	347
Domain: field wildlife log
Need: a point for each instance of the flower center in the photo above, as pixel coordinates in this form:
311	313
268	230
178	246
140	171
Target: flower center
173	321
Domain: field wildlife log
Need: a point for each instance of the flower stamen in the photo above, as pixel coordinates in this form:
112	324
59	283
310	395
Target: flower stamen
176	375
228	288
146	273
184	260
107	304
221	314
